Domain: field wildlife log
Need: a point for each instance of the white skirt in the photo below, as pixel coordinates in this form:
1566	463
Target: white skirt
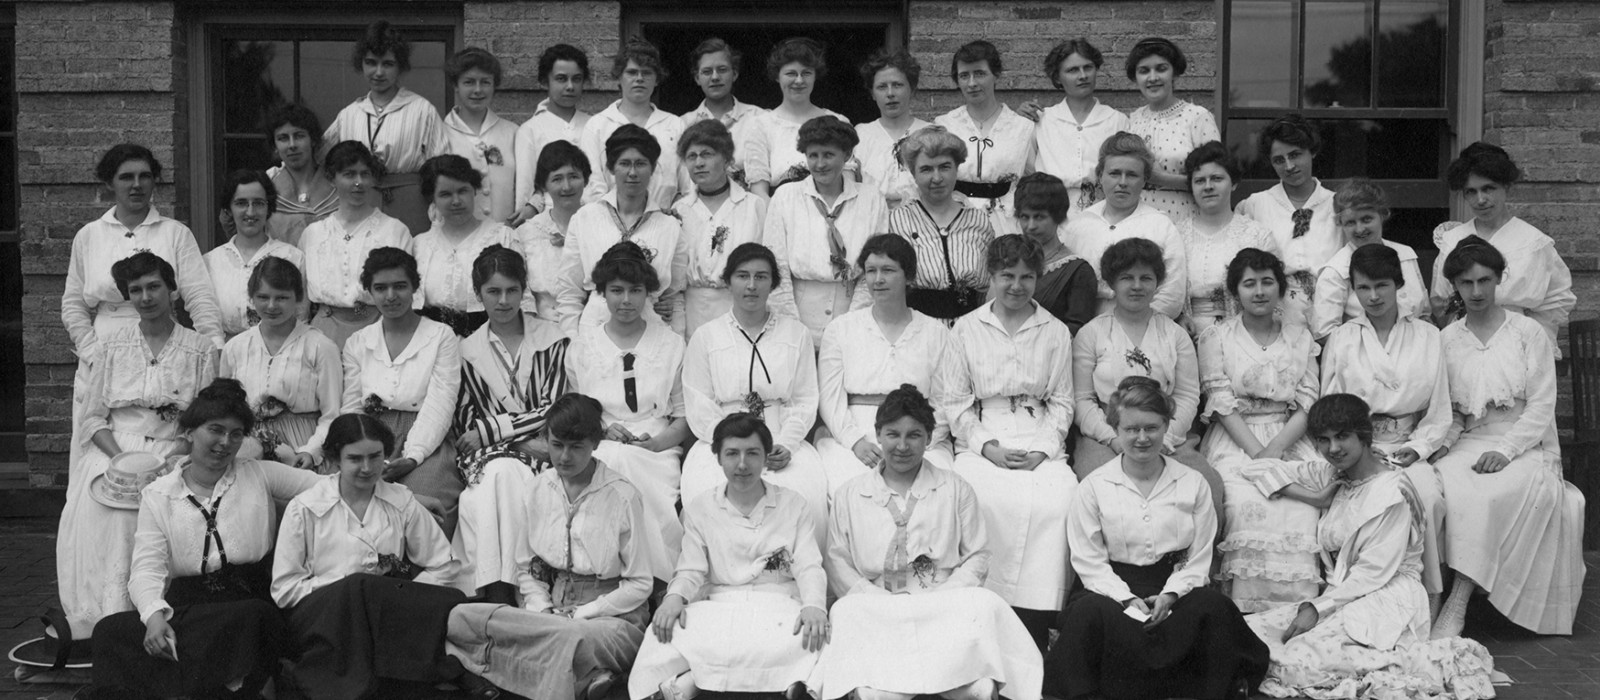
735	642
656	476
490	515
839	460
701	473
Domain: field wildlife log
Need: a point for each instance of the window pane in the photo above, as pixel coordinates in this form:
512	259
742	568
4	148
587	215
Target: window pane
1411	53
328	83
1338	55
8	82
248	153
1261	37
1376	148
8	183
258	75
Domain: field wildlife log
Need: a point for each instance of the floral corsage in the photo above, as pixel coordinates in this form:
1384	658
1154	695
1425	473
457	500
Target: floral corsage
780	561
168	412
719	238
374	405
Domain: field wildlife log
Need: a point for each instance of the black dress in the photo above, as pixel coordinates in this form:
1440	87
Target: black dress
1069	291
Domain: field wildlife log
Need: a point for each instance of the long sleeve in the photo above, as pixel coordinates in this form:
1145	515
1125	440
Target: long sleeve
959	400
1411	273
832	400
535	592
330	396
845	578
570	294
96	415
1379	550
74	308
1214	380
1082	300
1173	293
1185	392
434	416
1539	415
1553	311
1196	567
1086	541
1433	431
974	567
674	291
527	160
194	283
802	410
285	482
428	548
775	236
593	145
1058	406
809	574
634	588
1328	301
147	574
352	383
291	570
694	562
1091	417
700	404
755	152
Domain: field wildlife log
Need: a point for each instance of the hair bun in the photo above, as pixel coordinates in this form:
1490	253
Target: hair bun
625	250
1480	149
224	389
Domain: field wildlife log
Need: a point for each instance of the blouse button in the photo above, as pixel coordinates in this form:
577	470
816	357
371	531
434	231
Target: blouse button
1080	128
1147	518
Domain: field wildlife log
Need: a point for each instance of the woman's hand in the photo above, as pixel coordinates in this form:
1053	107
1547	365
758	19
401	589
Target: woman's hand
1439	454
1491	462
1271	451
813	623
1303	622
663	307
868	452
1022	460
471	441
1404	456
522	214
1160	608
778	458
304	460
672	612
1139	604
618	433
159	639
993	452
398	469
1030	110
565	611
535	448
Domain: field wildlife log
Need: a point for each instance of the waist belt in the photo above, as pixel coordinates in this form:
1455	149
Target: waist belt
983	190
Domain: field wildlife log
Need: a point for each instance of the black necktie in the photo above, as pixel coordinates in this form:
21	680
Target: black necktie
630	391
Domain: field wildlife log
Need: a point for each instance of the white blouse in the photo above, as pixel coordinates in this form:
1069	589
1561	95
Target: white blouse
595	368
857	359
1089	234
1069	149
880	163
797	233
1241	377
771	147
1207	255
771	548
1308	253
1515	365
403	135
542	243
446	268
127	375
424	377
665	183
711	236
492	152
1103	355
306	375
1371	531
1170	135
1112	521
542	129
1402	377
592	535
230	278
945	528
988	363
335	253
321	540
722	368
1335	300
1537	282
593	230
1003	154
740	120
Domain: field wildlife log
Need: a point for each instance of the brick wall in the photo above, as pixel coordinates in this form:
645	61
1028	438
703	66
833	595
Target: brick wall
518	32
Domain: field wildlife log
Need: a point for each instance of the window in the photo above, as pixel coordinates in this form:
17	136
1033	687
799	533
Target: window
13	378
1377	76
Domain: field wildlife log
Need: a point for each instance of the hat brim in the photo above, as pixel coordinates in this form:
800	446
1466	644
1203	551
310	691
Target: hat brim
40	652
97	486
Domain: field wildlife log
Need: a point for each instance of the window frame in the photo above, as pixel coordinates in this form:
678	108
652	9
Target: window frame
714	12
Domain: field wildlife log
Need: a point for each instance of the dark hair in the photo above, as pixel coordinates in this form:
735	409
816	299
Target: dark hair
106	170
562	52
142	263
1260	261
905	402
556	155
974	52
1292	129
644	53
1156	46
706	132
279	274
1124	144
575	416
1063	51
452	166
347	153
711	46
296	115
223	398
1340	413
1013	249
625	262
1361	193
1484	160
1377	262
352	428
1211	152
240	178
389	258
1473	250
746	252
1043	192
1139	393
827	130
632	136
899	59
468	59
740	425
381	38
894	247
1129	253
805	51
499	260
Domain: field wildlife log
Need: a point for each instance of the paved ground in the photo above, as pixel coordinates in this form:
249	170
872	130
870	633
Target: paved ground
1544	668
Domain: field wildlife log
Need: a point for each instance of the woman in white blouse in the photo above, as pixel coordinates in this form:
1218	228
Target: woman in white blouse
754	360
1298	210
950	237
406	372
1512	525
292	374
562	172
1125	167
1170	126
1146	626
772	158
355	547
473	130
638	69
1002	143
1007	391
446	252
1067	140
907	555
201	566
1361	208
248	202
336	246
747	610
401	128
304	195
1213	236
718	215
563	70
892	79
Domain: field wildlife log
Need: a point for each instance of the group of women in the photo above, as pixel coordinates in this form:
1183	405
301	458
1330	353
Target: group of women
687	429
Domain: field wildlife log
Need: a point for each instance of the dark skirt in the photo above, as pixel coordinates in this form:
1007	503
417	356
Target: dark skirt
1203	650
351	633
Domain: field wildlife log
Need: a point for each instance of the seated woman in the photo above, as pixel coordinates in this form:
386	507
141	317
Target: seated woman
1146	625
1067	288
188	591
582	572
512	369
718	215
1007	389
1369	628
248	203
907	555
1259	376
406	371
1125	165
446	252
749	581
562	172
869	352
1362	208
950	237
1214	235
1002	140
362	572
292	374
755	361
1512	526
634	368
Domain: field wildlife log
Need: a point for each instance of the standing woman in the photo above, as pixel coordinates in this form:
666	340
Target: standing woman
562	172
406	372
718	215
336	246
1124	169
1169	125
816	228
248	202
1067	288
1002	140
292	374
304	195
1213	237
1298	210
1362	209
950	237
1008	392
400	127
1514	527
638	68
446	252
474	131
716	67
563	70
770	161
892	80
1537	283
1067	140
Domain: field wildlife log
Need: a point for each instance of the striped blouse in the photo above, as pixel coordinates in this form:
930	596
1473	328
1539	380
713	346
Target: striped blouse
950	255
986	362
403	136
505	392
